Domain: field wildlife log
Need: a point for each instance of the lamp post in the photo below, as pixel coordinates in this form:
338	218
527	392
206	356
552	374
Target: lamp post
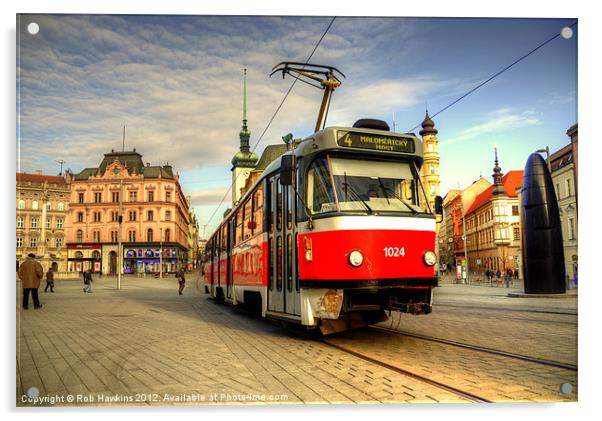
161	253
119	246
464	239
547	151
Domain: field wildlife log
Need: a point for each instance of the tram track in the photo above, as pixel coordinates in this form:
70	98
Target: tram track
491	351
451	389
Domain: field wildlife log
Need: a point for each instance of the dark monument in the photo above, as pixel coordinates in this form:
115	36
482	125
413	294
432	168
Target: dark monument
543	256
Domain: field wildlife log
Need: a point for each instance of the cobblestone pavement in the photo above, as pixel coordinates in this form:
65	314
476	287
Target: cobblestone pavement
146	344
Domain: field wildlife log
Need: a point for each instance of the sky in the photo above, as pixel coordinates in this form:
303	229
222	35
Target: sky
176	83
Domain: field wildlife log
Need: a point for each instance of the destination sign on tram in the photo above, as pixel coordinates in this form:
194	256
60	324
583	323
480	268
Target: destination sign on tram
376	142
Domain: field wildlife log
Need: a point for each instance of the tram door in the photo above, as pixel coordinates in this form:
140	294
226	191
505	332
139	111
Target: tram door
215	265
283	294
211	273
228	244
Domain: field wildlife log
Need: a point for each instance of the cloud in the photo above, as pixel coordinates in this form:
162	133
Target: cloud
209	197
497	122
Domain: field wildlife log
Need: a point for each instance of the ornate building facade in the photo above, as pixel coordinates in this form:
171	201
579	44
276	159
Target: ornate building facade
493	232
124	201
42	206
563	165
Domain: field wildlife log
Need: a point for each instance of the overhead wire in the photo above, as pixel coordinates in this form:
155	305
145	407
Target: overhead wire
273	117
493	77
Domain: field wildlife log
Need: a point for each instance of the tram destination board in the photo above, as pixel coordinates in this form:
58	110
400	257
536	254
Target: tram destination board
376	142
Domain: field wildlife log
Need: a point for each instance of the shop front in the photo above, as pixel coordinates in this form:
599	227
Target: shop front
82	257
138	260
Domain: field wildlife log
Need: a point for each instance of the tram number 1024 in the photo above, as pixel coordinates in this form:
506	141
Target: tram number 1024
394	251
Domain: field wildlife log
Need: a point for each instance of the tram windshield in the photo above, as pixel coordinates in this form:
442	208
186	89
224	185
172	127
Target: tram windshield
337	184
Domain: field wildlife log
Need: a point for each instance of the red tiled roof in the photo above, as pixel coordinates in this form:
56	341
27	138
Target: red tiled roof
511	181
40	178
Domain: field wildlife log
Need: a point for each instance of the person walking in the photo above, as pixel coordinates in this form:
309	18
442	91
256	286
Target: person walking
49	280
88	281
31	273
181	280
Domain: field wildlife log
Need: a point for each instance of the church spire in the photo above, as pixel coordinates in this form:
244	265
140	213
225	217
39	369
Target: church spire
245	134
498	186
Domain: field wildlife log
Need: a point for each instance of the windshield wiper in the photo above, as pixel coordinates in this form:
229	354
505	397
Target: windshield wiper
395	195
350	189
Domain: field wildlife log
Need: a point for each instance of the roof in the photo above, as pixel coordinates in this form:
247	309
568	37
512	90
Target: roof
132	160
270	153
40	178
85	173
154	171
511	181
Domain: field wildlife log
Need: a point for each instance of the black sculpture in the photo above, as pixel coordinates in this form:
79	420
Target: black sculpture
543	255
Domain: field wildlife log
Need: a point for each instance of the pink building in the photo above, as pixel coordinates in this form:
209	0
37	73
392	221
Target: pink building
153	210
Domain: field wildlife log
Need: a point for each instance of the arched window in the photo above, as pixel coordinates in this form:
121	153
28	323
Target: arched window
167	235
21	204
80	236
96	236
61	206
34	205
149	235
79	254
132	236
96	254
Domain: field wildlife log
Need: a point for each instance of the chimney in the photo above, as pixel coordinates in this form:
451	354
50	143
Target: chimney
39	172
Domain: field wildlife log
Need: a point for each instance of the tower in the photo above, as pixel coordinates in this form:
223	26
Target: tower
244	160
430	167
498	186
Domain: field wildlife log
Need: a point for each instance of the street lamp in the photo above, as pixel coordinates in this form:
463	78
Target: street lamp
464	239
547	152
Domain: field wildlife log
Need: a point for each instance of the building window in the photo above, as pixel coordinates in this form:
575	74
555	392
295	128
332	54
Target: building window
557	190
48	221
132	236
80	197
514	210
150	215
516	233
151	196
149	235
96	236
98	197
168	215
80	236
113	236
48	206
61	206
34	222
97	217
19	242
571	224
114	216
59	223
20	222
132	215
431	147
432	169
133	196
115	197
568	187
58	242
80	217
21	204
33	242
34	205
167	235
168	196
432	189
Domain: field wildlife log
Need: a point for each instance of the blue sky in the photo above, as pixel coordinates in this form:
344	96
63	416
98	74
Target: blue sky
176	83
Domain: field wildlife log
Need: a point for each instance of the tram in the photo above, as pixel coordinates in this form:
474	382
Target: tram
335	233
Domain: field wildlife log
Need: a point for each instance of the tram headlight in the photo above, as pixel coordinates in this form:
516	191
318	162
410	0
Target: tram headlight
356	258
430	258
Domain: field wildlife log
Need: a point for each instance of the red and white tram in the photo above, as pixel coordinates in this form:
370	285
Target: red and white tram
335	233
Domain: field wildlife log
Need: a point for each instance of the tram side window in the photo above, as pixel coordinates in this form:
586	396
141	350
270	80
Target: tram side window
258	210
269	206
279	206
225	238
289	262
248	223
238	220
279	263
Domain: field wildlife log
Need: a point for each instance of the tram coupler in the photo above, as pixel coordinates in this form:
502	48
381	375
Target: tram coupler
411	308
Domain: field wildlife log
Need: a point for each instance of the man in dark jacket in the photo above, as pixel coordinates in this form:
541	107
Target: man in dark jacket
181	280
31	273
49	280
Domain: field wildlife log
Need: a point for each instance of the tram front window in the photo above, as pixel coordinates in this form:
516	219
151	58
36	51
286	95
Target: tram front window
351	185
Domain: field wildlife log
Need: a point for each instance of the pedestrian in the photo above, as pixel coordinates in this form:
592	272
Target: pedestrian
31	273
88	280
49	280
516	274
181	280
